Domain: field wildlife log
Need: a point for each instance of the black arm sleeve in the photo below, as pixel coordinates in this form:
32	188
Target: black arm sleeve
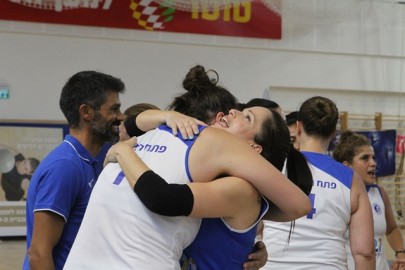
131	127
163	198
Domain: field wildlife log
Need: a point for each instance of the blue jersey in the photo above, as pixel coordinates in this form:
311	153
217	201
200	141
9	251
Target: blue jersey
219	246
62	184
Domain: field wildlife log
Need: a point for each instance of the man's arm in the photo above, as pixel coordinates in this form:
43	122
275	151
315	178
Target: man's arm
47	231
361	228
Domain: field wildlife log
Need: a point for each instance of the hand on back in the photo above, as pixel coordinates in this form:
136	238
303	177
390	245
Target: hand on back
112	152
188	126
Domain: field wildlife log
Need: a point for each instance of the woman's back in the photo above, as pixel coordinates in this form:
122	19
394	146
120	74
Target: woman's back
317	240
118	232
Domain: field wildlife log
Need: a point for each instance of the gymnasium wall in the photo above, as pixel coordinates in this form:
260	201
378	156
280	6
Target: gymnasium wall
357	62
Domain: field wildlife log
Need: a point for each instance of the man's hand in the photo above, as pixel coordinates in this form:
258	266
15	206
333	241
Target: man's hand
258	258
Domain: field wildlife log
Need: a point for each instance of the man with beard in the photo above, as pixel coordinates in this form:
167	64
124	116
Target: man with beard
60	187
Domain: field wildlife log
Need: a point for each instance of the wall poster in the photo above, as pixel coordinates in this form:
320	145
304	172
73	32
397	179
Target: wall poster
22	147
383	143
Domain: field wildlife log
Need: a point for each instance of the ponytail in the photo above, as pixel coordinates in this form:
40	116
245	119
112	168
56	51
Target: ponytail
298	170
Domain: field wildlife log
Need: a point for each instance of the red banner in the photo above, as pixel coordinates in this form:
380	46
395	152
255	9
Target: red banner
248	19
400	144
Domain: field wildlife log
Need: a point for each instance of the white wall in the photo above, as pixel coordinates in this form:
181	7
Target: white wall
359	63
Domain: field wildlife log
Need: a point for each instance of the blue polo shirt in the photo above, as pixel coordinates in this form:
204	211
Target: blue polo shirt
62	184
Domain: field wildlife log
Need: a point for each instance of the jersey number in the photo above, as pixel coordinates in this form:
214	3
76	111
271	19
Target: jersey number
313	211
119	178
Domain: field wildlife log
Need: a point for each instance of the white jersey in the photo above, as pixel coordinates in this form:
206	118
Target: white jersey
317	240
380	227
118	231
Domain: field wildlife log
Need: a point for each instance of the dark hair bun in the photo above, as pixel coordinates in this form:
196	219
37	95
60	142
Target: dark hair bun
197	79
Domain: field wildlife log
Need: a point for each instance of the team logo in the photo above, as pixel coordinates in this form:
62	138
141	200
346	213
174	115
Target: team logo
377	208
151	15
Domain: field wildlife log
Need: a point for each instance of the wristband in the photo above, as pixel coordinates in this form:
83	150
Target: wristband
131	127
399	251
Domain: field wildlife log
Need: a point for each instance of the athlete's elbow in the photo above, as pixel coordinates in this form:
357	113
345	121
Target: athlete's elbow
308	207
36	258
152	202
304	208
300	210
365	261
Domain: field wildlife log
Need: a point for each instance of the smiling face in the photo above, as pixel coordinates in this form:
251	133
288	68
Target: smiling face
244	124
364	164
107	120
